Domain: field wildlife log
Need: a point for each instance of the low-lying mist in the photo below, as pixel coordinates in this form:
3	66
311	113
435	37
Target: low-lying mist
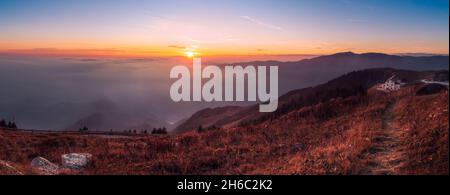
57	93
66	93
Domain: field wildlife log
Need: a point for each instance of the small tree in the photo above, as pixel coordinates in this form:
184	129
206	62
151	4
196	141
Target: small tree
12	125
200	129
3	123
159	131
84	129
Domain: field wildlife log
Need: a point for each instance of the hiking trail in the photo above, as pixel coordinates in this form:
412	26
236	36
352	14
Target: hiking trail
386	152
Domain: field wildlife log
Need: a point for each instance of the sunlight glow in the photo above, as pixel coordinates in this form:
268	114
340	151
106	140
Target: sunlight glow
189	54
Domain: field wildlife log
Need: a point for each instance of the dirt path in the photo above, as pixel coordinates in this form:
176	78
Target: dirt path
386	152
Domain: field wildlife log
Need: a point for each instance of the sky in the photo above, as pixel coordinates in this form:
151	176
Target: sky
222	27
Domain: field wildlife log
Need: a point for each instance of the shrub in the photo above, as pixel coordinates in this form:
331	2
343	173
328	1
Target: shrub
83	129
159	130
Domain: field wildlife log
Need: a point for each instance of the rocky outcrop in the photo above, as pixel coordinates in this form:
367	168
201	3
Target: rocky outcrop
44	166
76	160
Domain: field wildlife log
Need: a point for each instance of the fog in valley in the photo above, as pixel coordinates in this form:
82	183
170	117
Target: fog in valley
59	93
62	93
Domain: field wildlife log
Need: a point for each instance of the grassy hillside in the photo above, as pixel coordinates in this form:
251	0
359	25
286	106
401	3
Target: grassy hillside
337	136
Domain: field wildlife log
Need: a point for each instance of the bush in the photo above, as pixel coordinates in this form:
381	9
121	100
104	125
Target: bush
159	130
430	89
84	129
9	124
200	129
3	123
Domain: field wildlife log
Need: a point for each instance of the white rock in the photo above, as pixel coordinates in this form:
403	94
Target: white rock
75	160
44	166
7	169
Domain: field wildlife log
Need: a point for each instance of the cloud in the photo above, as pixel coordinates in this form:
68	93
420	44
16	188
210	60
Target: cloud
72	50
261	23
62	51
81	52
113	60
148	59
177	46
89	60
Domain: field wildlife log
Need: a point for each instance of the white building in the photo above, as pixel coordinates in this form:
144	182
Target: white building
390	85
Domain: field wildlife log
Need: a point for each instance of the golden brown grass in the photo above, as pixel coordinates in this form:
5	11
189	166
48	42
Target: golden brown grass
333	137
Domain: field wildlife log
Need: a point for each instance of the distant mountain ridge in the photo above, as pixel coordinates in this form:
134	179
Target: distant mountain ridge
366	60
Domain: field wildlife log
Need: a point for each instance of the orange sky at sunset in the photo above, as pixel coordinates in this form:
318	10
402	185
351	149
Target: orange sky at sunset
222	28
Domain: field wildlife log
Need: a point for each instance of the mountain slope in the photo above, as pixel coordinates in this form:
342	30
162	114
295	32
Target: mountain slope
354	83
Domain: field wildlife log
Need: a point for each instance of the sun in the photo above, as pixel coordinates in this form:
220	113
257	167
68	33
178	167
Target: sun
189	54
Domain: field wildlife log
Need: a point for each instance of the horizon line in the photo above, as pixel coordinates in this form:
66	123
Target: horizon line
53	52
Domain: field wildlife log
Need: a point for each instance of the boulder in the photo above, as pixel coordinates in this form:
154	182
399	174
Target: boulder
76	160
7	169
44	166
431	89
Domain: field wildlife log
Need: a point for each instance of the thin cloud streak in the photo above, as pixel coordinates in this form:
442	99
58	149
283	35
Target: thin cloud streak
261	23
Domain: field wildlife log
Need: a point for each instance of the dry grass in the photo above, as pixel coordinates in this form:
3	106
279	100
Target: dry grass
423	121
333	137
